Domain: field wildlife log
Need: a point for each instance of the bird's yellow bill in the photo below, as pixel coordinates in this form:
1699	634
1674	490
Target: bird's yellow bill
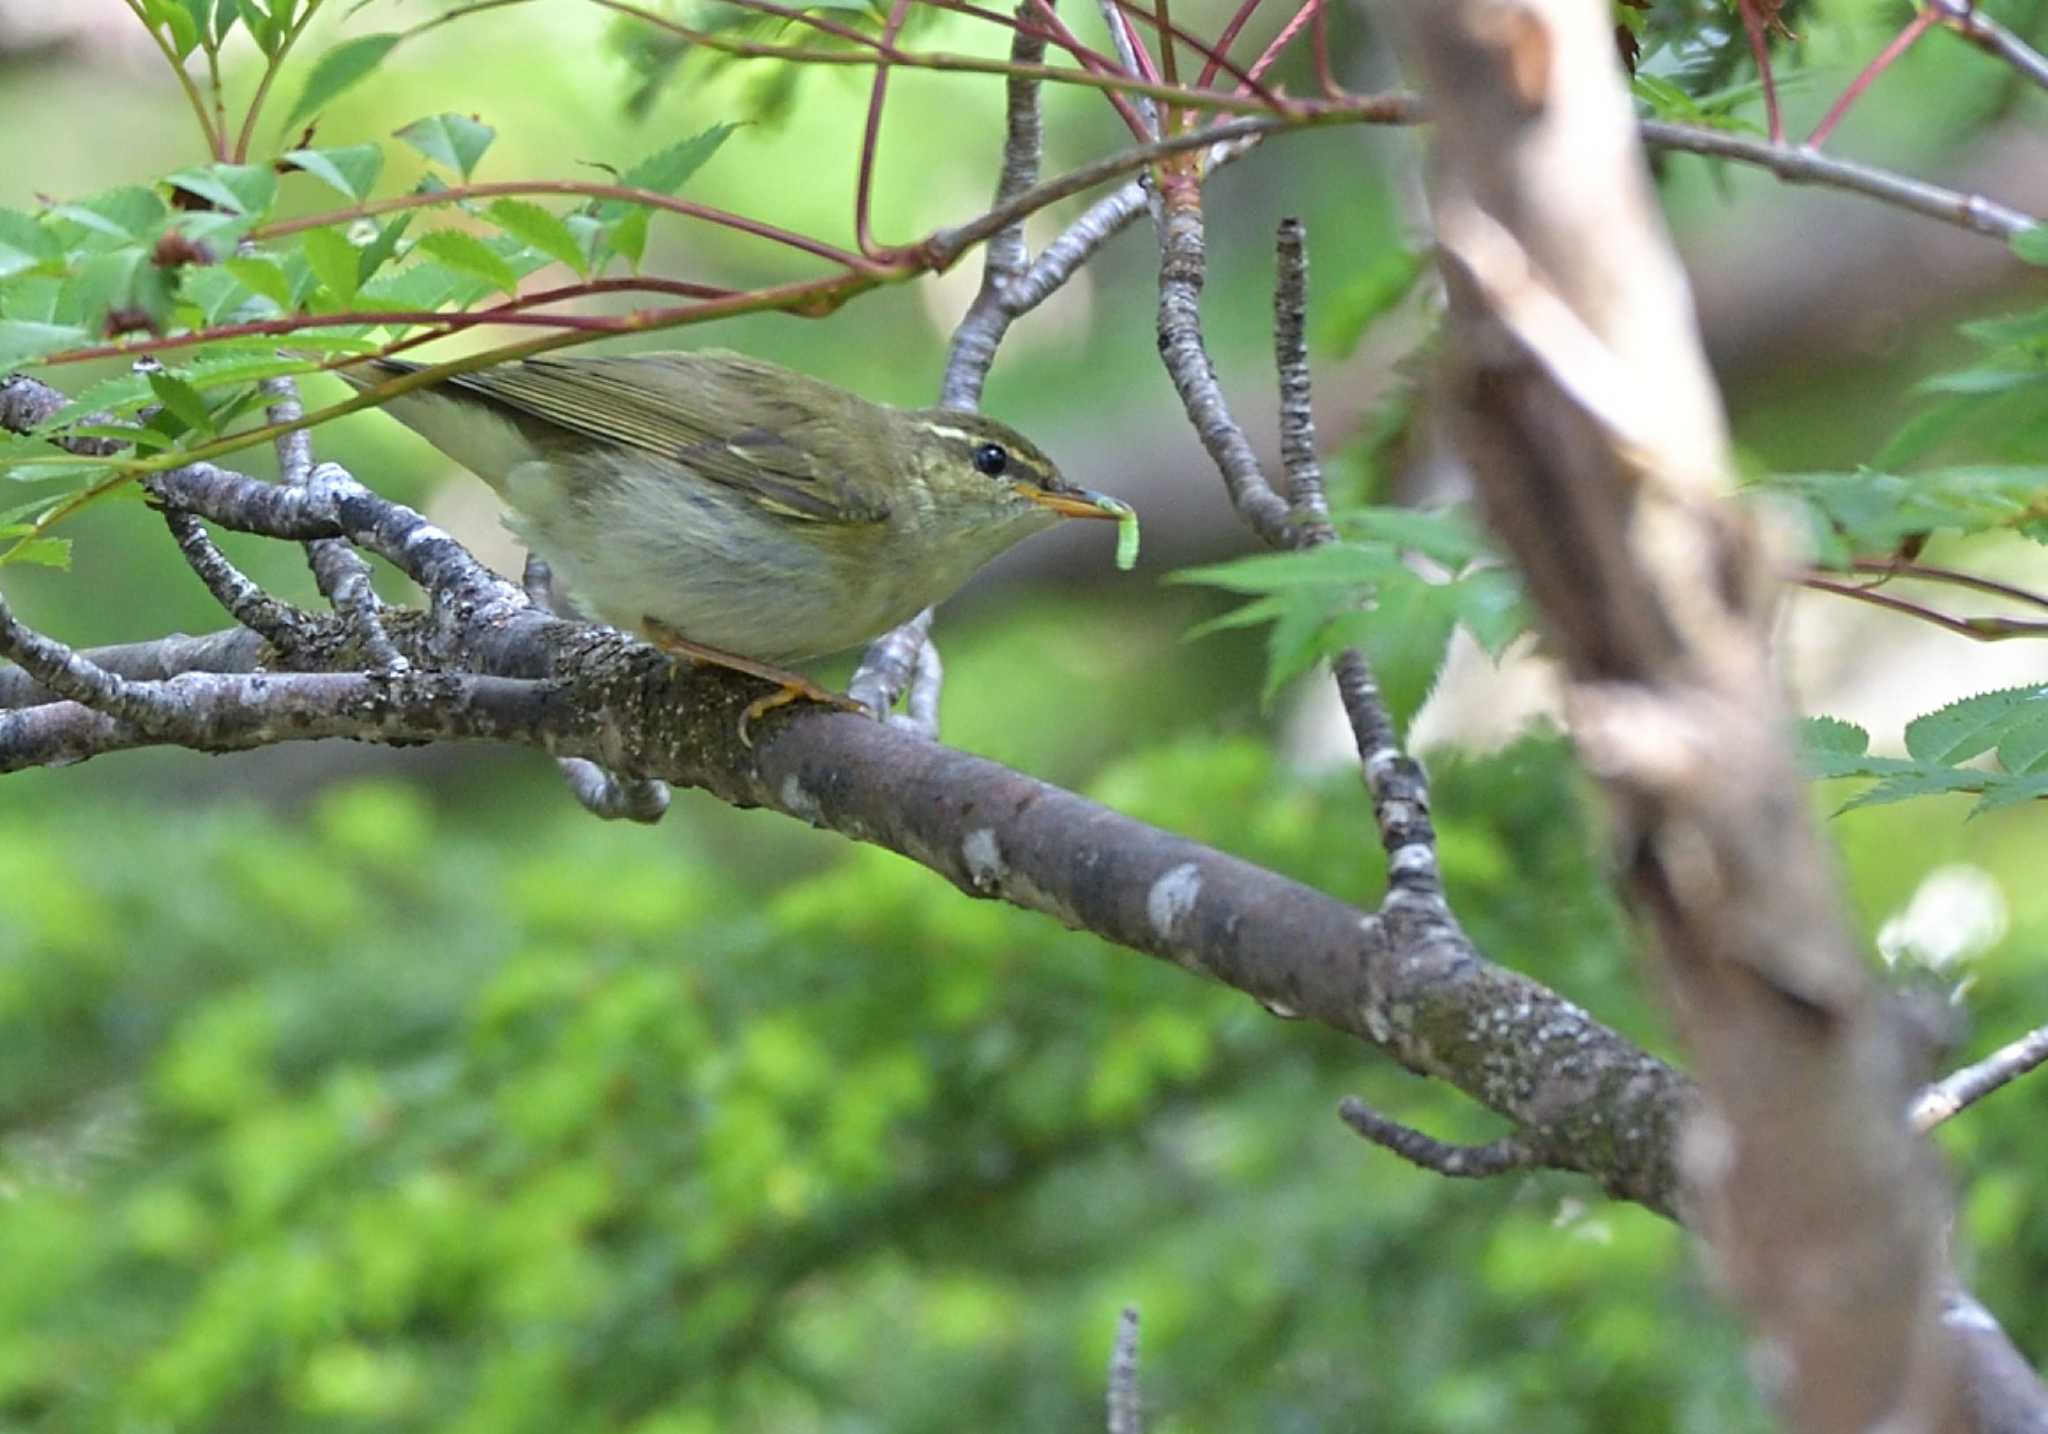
1076	503
1083	504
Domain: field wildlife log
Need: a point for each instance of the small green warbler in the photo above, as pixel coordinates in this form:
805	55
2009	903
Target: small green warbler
733	510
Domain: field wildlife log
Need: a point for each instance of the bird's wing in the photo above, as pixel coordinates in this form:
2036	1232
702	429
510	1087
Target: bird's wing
730	419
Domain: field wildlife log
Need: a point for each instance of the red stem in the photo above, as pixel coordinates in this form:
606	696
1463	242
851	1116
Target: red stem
1901	42
1213	55
1760	51
871	136
1101	65
1224	41
1294	26
653	199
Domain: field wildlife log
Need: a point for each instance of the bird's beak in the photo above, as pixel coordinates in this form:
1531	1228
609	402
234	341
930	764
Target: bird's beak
1074	502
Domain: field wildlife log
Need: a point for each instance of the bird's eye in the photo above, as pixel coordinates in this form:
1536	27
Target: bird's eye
991	459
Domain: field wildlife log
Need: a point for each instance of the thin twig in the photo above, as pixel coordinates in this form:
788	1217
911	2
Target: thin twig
920	712
889	664
1395	781
871	137
1807	166
1760	51
1126	1401
1921	573
1902	42
1183	268
1965	19
1979	629
281	624
339	571
1462	1162
1958	1090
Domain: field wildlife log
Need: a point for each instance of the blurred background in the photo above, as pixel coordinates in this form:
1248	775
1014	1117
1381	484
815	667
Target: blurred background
348	1089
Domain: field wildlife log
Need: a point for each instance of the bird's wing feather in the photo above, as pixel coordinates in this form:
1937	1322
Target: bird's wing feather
732	423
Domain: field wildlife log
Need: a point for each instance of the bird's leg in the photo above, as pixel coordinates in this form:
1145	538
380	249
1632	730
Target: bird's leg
791	686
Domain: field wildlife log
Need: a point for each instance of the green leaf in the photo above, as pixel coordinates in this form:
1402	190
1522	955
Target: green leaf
130	214
1924	782
176	22
627	236
341	67
262	275
379	251
668	170
227	369
540	229
238	188
1405	636
1352	565
352	170
121	394
2007	329
1444	535
469	255
1368	297
456	141
257	21
2032	245
183	400
2010	791
1488	604
336	262
1974	725
26	244
23	342
1833	737
40	552
1979	382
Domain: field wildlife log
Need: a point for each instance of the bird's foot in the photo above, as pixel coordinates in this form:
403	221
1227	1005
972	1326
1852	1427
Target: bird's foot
790	686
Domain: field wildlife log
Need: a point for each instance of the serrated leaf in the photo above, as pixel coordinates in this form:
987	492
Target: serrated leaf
379	251
1974	725
41	552
2007	792
540	229
23	342
183	400
1981	382
129	214
240	368
1347	565
1488	604
668	170
353	170
26	244
454	140
1926	782
262	275
627	236
347	64
1833	736
336	263
468	254
1444	535
248	189
421	285
1925	431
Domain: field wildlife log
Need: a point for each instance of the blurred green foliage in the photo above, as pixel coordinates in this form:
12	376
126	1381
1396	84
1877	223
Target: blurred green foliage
378	1117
